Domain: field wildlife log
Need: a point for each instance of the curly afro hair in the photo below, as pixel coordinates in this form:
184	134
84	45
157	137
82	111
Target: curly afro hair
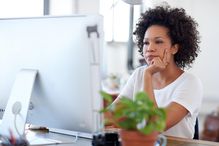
182	31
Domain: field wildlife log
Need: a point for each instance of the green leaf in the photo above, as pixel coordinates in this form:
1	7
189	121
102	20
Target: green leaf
106	96
148	129
128	113
128	124
126	101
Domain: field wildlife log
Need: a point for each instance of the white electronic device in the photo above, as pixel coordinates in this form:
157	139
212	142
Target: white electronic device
66	53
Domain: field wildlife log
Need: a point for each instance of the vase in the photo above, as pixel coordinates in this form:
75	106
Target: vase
135	138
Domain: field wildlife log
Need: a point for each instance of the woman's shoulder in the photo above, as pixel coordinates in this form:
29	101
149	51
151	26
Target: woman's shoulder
138	73
140	69
191	78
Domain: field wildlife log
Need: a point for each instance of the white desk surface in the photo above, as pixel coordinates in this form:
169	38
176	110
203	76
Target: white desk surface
65	140
68	140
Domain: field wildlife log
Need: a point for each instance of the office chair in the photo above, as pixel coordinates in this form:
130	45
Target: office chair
196	134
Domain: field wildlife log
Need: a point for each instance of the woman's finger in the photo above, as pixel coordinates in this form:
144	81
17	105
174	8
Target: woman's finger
167	55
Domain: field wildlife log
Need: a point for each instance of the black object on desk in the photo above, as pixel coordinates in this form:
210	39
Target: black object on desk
105	139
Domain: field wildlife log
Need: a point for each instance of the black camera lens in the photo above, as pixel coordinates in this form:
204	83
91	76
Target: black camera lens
111	139
105	139
98	139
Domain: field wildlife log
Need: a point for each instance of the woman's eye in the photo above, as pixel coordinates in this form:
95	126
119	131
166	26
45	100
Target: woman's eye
158	42
146	43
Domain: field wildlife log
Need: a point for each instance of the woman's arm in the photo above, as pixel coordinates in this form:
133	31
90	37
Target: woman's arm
148	87
175	112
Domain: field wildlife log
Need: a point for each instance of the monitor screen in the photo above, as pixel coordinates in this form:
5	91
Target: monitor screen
66	52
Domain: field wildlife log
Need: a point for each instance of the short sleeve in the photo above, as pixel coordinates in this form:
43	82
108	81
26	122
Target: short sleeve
128	89
189	94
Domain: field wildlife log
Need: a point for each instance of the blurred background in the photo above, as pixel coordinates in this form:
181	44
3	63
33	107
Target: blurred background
120	56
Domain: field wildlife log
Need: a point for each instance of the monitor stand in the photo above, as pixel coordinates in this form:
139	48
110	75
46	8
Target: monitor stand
15	115
72	133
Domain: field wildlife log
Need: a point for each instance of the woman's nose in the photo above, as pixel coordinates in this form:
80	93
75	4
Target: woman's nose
151	48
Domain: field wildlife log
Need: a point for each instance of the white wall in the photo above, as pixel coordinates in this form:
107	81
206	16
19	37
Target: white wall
207	65
88	6
67	7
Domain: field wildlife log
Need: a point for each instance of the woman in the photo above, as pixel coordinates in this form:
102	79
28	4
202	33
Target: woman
168	40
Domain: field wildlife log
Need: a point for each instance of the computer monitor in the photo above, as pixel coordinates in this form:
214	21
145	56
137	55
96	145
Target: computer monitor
66	52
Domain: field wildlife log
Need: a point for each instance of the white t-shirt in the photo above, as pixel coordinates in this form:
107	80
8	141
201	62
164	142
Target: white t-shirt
186	90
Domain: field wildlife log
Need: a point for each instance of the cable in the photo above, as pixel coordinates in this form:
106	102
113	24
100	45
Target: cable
15	125
16	109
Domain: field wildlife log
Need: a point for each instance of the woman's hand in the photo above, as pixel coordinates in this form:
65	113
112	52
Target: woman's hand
157	64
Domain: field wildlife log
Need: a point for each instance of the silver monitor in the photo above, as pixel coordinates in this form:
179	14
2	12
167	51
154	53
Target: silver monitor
66	52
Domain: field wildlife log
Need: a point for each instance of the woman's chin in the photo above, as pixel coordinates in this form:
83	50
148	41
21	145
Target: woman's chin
148	62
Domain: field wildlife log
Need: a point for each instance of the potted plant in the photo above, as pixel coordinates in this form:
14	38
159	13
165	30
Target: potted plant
139	120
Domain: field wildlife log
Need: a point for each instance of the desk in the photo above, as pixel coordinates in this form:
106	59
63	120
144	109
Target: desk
171	141
175	141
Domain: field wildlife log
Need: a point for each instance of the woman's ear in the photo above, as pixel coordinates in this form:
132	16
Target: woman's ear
175	49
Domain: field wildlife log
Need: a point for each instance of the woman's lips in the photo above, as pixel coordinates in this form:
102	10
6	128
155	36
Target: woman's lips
149	58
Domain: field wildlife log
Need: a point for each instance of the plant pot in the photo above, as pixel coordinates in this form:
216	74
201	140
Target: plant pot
135	138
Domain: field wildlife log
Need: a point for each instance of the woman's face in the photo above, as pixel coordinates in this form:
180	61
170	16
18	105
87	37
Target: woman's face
156	41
